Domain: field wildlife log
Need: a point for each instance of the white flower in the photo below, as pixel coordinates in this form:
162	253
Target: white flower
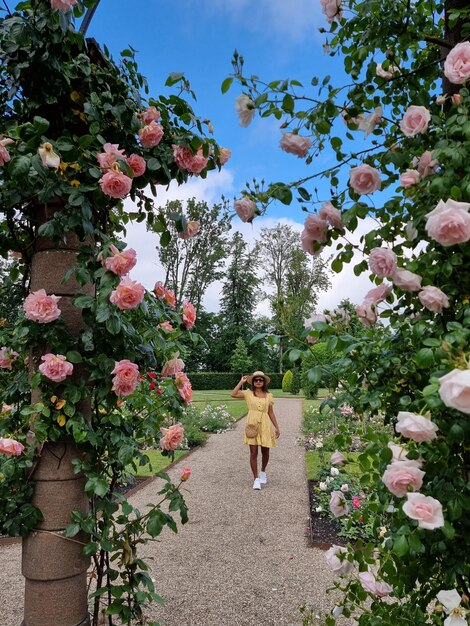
323	486
334	471
318	509
245	109
451	599
328	480
48	157
345	487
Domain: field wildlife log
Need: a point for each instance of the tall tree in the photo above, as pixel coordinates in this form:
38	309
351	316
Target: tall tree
192	264
241	361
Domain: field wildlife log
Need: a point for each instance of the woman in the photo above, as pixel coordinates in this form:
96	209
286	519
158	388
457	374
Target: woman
260	420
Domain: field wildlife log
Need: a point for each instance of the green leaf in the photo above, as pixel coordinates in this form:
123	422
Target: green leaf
113	325
424	358
294	355
227	83
84	302
400	546
19	166
74	357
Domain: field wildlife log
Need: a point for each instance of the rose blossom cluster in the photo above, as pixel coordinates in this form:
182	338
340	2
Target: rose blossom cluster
40	307
172	437
128	294
316	227
186	160
114	182
126	377
120	262
167	295
293	143
151	133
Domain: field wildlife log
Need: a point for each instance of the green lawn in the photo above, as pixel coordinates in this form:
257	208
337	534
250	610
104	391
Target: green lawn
314	464
158	462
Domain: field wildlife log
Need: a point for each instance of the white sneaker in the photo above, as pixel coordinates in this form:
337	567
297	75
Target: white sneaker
263	479
256	484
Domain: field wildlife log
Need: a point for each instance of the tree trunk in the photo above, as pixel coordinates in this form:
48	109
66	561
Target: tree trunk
55	567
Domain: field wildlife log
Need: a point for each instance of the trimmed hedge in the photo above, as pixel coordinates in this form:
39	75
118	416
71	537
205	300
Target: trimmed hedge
287	381
202	381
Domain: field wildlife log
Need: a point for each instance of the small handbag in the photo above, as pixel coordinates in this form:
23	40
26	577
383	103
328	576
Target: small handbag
251	430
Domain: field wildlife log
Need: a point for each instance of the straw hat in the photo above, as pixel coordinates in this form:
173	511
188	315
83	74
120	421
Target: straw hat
260	374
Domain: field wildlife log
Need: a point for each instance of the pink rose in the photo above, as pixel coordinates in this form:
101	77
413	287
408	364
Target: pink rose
332	9
316	228
186	160
382	262
410	178
224	155
456	99
295	144
121	262
364	179
55	367
151	135
186	474
172	367
245	110
48	157
309	244
387	74
115	184
171	437
170	298
137	164
4	154
425	164
370	584
455	390
128	294
183	384
41	308
399	453
10	447
332	215
415	427
337	564
426	510
378	294
7	408
192	228
338	504
63	5
166	326
245	209
366	313
457	64
126	377
400	477
433	299
367	123
159	289
415	120
406	280
149	115
449	223
110	155
189	314
337	458
7	357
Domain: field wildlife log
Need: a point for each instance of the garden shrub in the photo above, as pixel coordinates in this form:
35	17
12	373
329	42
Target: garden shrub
295	383
287	381
215	419
202	381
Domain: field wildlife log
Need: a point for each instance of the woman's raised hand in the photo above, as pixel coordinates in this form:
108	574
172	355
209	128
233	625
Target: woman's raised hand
243	380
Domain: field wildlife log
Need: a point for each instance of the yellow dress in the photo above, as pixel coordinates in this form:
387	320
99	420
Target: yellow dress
258	414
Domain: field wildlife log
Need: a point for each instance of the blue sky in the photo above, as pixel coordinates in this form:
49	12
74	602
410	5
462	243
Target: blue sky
278	40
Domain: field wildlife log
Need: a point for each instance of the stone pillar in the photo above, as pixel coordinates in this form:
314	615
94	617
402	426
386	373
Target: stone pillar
55	567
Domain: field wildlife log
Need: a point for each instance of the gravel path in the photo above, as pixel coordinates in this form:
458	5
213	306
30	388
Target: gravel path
243	558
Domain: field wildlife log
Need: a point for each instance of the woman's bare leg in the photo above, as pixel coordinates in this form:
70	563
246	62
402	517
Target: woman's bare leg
264	458
254	460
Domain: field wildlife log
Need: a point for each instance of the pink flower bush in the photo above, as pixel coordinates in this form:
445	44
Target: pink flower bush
245	209
337	564
337	458
382	262
364	179
172	367
449	223
110	155
137	164
433	299
331	214
41	308
295	144
401	477
457	64
378	294
415	427
7	358
426	510
183	384
48	157
338	504
316	228
224	155
10	447
366	313
192	228
171	437
189	314
128	294
151	135
121	262
55	367
371	585
425	164
63	5
415	120
186	160
245	110
126	377
406	280
149	115
115	184
332	9
454	389
4	154
410	178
